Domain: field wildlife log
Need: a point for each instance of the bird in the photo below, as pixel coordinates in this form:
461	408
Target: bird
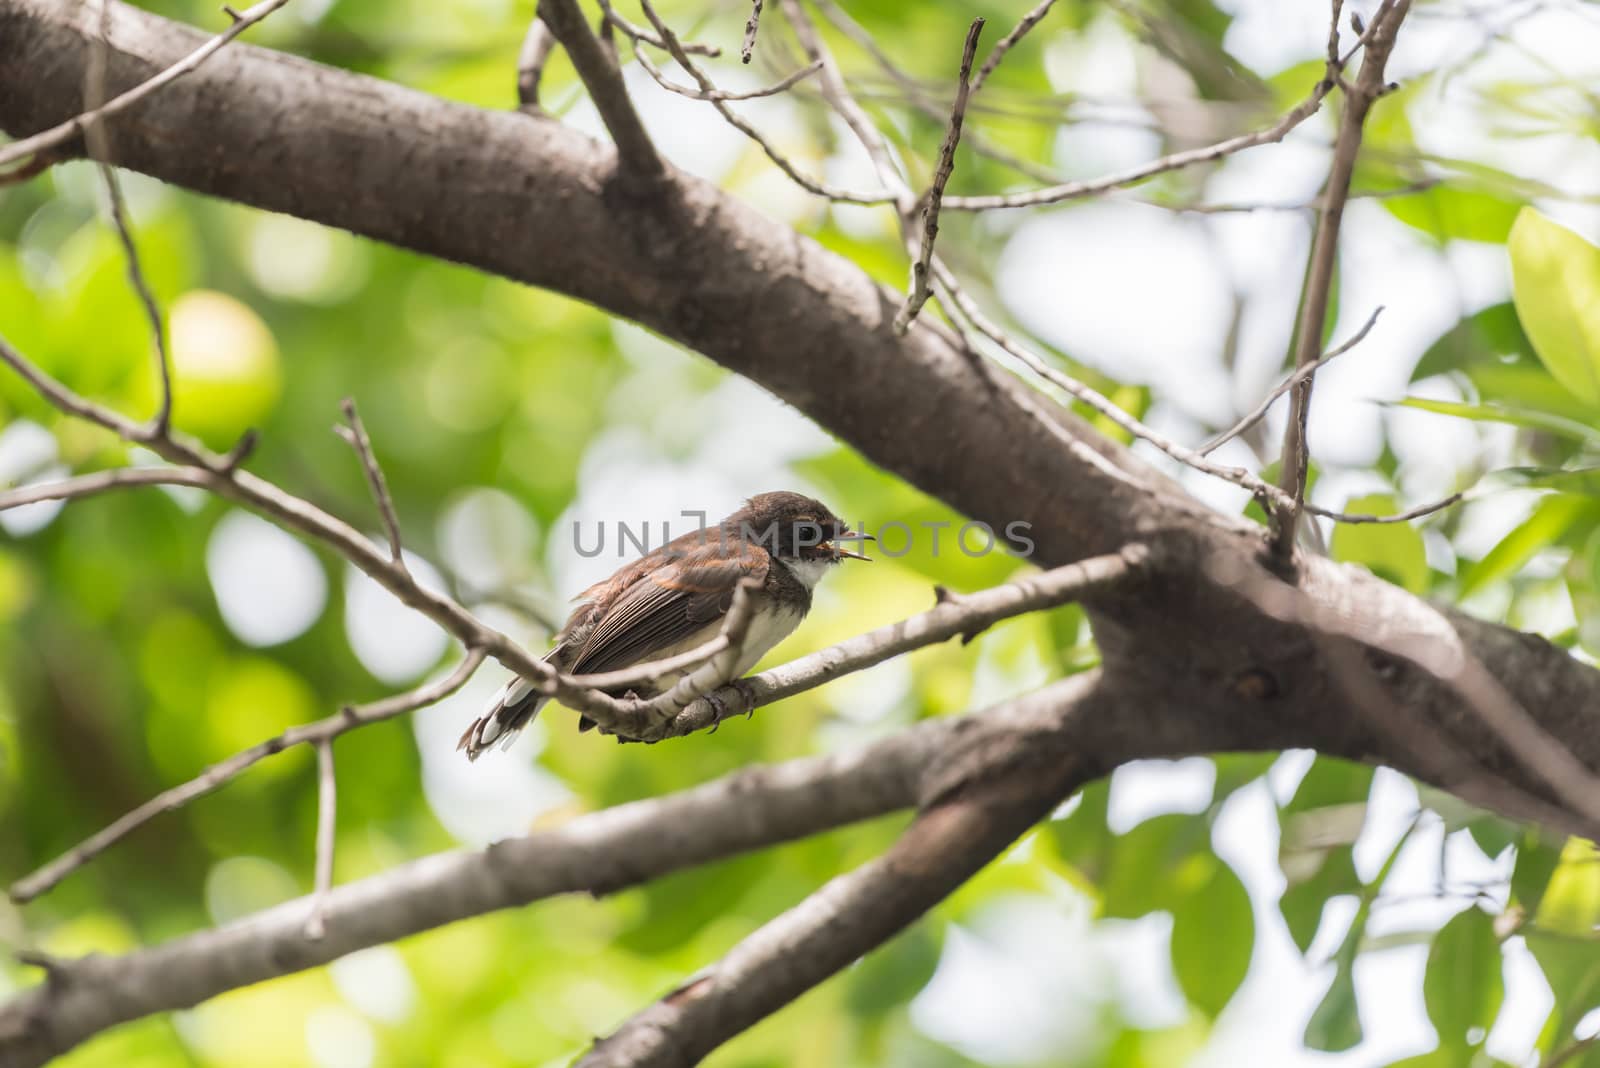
675	597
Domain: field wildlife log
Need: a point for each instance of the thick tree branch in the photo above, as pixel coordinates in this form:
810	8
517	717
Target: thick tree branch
948	843
596	854
65	131
919	405
775	307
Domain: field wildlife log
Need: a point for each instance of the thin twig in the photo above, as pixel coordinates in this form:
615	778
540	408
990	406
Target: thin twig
600	75
327	802
1176	161
837	93
98	143
355	434
315	733
680	52
1018	32
1359	98
963	617
751	26
597	853
722	94
535	52
73	127
921	99
100	481
968	309
920	287
1259	412
638	34
1399	517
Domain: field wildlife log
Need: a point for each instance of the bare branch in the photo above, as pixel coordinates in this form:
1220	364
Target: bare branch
1259	412
355	433
322	730
722	94
966	616
95	138
1399	517
598	70
638	34
1176	161
918	95
1359	98
920	286
751	26
948	843
327	802
1018	32
680	52
597	853
838	95
100	481
535	52
75	126
968	308
161	422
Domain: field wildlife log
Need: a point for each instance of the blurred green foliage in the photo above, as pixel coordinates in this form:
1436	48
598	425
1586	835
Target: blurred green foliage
122	673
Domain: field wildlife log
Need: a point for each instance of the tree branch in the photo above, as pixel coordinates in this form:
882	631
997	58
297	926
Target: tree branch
1009	41
63	133
323	730
327	821
596	854
635	152
1359	98
531	58
950	841
921	286
355	434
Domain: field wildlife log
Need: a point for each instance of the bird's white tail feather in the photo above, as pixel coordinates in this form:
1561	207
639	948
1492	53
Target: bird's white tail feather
514	707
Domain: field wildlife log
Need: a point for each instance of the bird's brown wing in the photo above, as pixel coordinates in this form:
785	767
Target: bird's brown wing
669	606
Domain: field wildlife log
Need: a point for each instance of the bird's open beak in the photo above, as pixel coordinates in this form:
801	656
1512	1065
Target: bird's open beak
851	535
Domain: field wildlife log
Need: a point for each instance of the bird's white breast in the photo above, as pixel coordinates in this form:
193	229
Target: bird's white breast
810	572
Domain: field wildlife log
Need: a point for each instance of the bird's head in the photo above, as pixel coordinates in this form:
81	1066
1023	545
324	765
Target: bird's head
794	527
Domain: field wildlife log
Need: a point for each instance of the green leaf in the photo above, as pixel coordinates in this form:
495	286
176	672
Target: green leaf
1302	904
1486	337
1572	968
1449	211
1555	281
1390	550
1571	902
1505	413
1538	854
1551	519
1330	781
1463	987
1213	933
1156	865
1336	1025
